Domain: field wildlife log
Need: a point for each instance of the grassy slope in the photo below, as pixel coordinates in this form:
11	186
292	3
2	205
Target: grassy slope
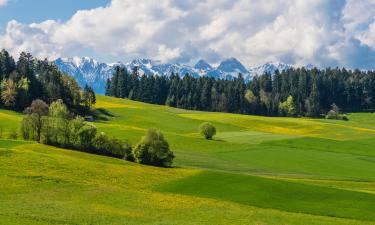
251	144
312	152
276	194
46	185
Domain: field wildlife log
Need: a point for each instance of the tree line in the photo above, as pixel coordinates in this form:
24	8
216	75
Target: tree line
54	125
292	92
28	79
54	104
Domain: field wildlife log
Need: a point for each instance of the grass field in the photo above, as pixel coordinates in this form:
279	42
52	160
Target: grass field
257	170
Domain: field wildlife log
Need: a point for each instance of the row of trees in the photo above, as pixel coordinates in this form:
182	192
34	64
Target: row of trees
54	125
293	92
29	79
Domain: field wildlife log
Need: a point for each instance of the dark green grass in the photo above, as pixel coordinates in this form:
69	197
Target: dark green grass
276	194
11	143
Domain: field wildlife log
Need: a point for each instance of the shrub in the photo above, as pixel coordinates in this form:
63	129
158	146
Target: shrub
86	134
153	149
344	117
207	130
121	149
334	114
112	147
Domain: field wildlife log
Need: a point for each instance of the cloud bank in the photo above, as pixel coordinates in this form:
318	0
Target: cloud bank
300	32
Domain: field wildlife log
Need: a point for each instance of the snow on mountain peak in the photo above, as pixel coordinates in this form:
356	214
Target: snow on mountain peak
269	67
203	65
91	72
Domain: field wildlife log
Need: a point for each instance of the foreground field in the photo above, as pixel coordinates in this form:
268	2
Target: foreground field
45	185
258	170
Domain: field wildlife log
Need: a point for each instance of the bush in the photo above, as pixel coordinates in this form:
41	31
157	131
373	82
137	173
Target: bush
153	149
86	134
112	147
334	114
207	130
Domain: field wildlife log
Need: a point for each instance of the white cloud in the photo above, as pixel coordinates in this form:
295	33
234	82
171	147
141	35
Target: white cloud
359	17
165	54
255	31
3	2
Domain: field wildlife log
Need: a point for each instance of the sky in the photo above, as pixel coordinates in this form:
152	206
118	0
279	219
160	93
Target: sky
298	32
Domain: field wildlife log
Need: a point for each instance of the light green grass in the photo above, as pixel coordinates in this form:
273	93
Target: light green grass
292	147
47	185
289	152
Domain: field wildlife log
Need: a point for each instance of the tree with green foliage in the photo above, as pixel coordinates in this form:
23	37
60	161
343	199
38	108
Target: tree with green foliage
287	108
7	65
86	134
153	149
88	97
207	130
75	126
108	87
59	122
334	113
36	114
112	146
251	100
29	79
9	93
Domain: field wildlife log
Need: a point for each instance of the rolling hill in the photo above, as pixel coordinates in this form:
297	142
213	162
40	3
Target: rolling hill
258	170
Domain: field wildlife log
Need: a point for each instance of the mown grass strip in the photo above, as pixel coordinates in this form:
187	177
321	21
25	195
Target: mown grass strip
276	194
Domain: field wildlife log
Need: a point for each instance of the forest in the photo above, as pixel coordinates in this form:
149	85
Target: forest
29	79
293	92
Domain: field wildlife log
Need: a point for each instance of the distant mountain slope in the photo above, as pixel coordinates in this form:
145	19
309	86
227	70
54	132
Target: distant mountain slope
86	71
269	67
93	73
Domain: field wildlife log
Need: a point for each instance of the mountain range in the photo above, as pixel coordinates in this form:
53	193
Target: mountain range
93	73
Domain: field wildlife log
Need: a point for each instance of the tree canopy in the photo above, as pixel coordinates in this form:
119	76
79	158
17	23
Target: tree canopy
293	92
207	130
29	79
153	149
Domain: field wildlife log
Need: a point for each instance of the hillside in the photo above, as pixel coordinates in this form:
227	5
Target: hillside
258	170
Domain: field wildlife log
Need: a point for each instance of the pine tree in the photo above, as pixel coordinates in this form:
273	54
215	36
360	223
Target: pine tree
108	87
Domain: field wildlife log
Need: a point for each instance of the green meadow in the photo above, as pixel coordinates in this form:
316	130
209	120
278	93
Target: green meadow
257	170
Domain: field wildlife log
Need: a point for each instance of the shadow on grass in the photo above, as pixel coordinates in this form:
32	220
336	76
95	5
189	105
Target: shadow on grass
101	114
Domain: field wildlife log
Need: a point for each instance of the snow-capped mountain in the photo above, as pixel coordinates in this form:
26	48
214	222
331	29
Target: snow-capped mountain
202	66
88	71
269	68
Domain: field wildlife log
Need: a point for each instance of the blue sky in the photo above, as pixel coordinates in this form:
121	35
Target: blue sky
319	32
36	11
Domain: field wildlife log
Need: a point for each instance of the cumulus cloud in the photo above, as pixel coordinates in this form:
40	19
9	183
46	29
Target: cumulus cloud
324	33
